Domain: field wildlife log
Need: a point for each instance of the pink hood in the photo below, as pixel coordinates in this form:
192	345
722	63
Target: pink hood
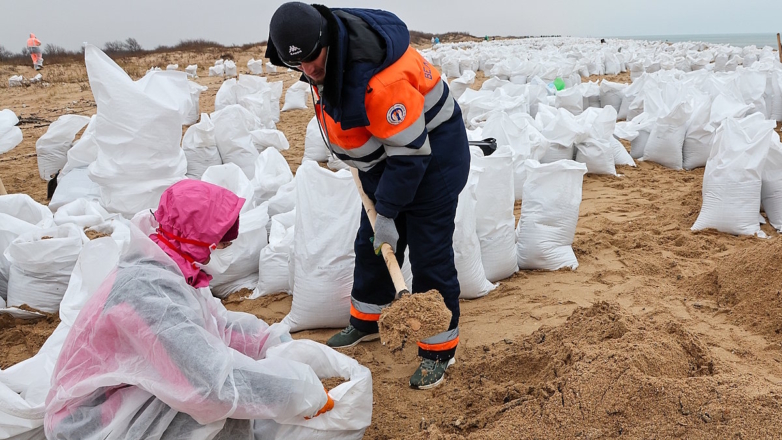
195	211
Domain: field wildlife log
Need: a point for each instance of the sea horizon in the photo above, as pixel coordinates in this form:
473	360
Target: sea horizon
740	39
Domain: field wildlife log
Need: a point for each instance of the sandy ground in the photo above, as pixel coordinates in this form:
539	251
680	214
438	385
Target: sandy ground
661	332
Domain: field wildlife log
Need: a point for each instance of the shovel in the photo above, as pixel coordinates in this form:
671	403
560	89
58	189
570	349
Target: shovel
388	254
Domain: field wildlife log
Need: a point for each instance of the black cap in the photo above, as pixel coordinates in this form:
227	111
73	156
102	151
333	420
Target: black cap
297	30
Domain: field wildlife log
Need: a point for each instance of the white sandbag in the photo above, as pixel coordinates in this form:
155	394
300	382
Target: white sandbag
117	228
172	67
233	125
621	156
191	115
273	263
597	155
83	213
52	148
562	131
264	138
549	214
41	267
173	88
192	71
284	200
666	138
467	245
25	385
296	96
494	216
724	107
84	151
327	205
230	68
315	147
517	132
271	172
557	152
217	70
226	94
450	68
200	147
611	93
571	99
72	186
23	207
228	176
776	85
132	126
460	84
638	144
596	150
19	214
271	68
255	66
236	267
16	81
771	190
10	134
336	164
732	180
700	135
352	413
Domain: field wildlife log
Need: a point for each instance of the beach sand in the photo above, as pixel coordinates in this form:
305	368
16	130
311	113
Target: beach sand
661	332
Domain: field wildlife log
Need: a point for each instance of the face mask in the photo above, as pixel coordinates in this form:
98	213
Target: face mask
219	261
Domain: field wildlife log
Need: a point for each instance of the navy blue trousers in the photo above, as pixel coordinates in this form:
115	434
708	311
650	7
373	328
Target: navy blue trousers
429	234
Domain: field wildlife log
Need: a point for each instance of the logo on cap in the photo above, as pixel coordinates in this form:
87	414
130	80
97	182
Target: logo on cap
293	50
396	114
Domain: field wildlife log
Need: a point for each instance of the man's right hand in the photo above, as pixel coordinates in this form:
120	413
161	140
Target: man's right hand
385	232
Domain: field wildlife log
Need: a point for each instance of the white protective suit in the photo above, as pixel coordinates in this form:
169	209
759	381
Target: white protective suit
151	357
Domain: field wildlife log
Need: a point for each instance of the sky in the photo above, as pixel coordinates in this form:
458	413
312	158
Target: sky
68	23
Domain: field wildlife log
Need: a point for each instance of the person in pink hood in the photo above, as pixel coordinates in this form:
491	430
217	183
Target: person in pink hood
153	355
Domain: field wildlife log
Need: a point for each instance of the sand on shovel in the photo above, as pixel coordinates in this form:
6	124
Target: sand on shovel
410	319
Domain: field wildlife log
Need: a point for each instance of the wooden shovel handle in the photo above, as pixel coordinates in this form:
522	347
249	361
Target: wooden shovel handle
2	188
385	249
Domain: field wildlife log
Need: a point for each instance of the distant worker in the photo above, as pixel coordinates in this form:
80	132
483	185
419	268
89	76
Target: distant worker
34	45
436	40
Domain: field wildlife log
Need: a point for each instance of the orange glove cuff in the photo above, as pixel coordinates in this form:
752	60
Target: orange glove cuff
326	408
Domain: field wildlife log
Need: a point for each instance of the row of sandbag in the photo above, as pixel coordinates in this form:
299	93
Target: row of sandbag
141	156
681	112
552	57
313	219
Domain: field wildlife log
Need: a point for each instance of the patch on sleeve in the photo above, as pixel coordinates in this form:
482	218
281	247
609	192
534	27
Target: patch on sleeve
396	114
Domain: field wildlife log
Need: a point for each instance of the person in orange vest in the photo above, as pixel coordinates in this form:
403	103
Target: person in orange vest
34	45
386	111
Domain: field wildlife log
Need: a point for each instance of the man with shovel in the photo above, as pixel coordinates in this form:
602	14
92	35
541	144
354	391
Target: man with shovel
384	110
